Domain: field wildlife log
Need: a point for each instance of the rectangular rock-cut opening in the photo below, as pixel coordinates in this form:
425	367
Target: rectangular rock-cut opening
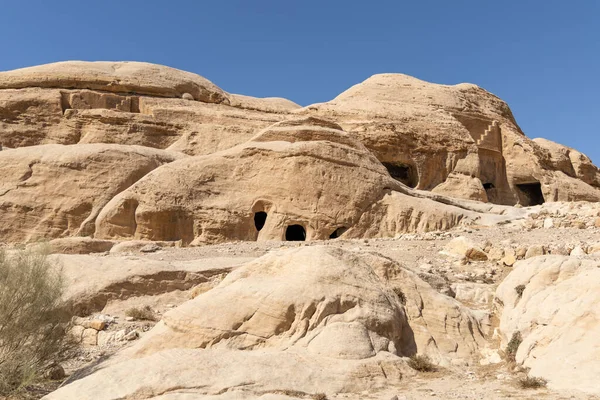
404	173
531	193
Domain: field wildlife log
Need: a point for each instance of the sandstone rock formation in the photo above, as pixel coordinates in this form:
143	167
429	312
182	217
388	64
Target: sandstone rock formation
457	140
299	310
234	195
53	191
106	279
254	156
127	103
556	313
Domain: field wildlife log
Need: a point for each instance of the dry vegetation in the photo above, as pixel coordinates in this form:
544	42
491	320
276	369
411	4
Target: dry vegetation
141	314
513	346
520	289
422	363
531	382
33	319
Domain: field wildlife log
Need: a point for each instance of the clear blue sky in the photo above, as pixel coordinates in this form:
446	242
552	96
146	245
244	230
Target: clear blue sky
542	57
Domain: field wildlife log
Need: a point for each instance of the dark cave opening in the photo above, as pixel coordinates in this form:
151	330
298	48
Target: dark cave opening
338	232
404	173
260	218
295	233
532	192
488	186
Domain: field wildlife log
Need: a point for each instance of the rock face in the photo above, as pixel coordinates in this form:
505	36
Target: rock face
115	77
234	195
53	191
127	103
301	312
253	159
457	140
557	317
327	301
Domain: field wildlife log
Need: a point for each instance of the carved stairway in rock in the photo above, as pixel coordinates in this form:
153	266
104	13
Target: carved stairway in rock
491	138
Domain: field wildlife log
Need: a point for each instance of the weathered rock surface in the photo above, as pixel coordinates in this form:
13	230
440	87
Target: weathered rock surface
329	301
259	191
557	316
127	103
298	310
93	281
55	191
116	77
181	374
458	140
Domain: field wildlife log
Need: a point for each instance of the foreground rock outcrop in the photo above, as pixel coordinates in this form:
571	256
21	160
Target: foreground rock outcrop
298	310
552	303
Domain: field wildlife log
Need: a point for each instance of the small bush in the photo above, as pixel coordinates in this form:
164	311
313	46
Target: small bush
400	295
422	363
33	318
532	382
513	346
142	314
319	396
520	289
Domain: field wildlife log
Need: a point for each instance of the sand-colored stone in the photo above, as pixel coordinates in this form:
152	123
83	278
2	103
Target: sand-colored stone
454	140
463	247
215	198
80	245
54	191
459	140
184	374
557	316
327	301
116	77
91	282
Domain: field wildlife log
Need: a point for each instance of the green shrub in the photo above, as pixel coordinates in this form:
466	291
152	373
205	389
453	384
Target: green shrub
531	382
513	346
422	363
142	314
33	318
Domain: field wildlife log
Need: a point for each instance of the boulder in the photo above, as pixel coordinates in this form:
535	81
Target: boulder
557	317
214	373
326	300
464	247
119	277
534	251
80	245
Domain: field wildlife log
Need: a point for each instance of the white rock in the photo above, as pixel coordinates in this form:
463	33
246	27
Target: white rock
558	318
578	251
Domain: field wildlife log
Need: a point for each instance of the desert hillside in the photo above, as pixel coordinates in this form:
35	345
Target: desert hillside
402	241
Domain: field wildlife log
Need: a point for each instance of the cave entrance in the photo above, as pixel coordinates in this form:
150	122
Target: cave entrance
488	186
338	232
260	218
404	173
295	233
531	193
